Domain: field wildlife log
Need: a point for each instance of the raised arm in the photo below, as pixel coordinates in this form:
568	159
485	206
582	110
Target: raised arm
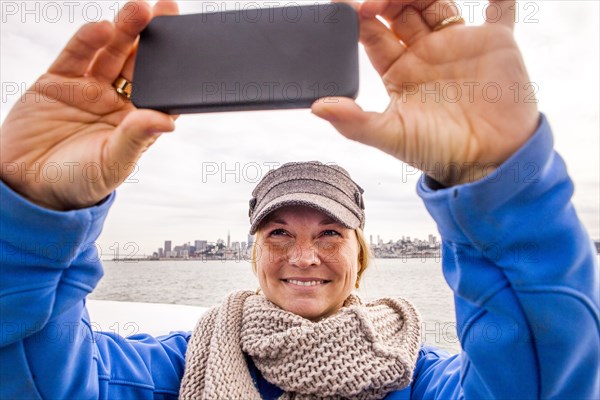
521	266
525	278
50	221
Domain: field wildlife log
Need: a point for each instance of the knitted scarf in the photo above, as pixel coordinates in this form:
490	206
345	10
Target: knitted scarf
362	352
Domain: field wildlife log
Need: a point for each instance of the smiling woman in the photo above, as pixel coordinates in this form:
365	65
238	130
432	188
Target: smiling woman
310	258
307	215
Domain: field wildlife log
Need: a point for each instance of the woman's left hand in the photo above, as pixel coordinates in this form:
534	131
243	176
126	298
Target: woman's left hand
461	102
65	147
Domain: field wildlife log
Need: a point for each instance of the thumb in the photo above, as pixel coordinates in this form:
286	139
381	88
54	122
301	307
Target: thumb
134	135
379	130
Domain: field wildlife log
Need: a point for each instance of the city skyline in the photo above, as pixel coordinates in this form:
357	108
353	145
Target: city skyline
236	245
381	248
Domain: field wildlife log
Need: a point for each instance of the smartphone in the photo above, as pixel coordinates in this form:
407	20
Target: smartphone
247	59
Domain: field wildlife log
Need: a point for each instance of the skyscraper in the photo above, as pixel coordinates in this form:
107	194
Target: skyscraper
167	246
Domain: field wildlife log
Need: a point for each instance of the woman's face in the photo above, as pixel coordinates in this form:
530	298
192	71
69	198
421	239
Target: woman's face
306	261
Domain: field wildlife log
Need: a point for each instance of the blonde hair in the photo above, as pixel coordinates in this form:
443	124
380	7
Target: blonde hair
364	255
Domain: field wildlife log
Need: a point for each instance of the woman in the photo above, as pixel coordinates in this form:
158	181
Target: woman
543	304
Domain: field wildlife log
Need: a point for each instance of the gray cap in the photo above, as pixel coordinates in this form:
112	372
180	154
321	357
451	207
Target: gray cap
327	188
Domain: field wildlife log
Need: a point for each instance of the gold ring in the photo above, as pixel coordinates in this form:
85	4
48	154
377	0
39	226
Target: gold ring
123	87
457	19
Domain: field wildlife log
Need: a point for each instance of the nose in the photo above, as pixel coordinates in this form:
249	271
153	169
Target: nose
303	255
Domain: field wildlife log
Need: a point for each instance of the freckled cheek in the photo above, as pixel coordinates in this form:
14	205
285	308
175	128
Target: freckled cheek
264	272
347	266
273	253
269	283
329	253
268	265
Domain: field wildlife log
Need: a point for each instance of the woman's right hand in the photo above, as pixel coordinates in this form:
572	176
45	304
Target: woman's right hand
71	140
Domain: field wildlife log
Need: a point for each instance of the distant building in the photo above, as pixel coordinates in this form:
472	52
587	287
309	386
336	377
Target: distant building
167	246
177	251
228	240
250	241
201	246
161	253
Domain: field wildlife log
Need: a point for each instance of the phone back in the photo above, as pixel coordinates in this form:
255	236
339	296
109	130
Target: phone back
253	59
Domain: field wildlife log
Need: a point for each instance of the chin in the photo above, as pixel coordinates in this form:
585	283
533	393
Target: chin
304	309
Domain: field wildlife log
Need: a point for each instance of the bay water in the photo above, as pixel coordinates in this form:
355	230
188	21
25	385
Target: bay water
207	283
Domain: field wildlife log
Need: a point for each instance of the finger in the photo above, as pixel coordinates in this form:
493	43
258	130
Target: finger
392	9
136	133
501	12
81	49
410	26
370	128
165	7
372	8
432	11
438	11
131	19
162	7
381	44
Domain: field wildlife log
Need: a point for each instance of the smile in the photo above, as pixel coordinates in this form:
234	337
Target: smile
305	283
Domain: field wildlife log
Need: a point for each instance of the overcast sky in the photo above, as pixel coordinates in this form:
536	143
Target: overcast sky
182	192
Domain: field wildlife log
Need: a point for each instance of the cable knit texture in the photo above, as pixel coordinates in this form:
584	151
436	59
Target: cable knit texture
362	352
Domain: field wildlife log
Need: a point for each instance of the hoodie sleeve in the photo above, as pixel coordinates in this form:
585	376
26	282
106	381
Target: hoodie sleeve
525	279
49	264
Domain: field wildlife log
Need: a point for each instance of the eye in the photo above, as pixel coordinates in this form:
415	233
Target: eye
278	232
331	232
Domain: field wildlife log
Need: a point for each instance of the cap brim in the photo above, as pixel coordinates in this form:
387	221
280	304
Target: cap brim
324	204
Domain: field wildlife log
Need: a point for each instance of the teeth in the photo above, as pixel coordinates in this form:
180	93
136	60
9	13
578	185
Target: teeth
309	283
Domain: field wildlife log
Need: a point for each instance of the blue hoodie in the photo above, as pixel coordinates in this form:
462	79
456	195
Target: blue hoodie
522	268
